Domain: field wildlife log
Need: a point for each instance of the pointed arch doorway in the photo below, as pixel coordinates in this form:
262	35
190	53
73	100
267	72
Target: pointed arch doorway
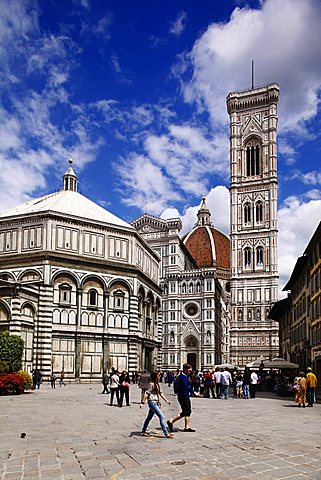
191	359
191	353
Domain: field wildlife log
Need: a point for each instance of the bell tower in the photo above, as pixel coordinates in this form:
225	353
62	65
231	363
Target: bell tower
253	210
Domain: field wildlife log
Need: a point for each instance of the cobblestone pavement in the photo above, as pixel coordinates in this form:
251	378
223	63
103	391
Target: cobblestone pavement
73	434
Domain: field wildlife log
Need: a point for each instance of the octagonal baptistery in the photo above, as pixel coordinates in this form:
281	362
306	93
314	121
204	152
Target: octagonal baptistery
79	285
208	246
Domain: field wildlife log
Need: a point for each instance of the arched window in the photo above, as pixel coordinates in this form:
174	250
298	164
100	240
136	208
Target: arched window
253	163
259	212
119	296
184	288
140	305
172	337
27	313
148	309
208	336
247	257
92	298
191	288
4	318
65	293
247	213
259	256
198	287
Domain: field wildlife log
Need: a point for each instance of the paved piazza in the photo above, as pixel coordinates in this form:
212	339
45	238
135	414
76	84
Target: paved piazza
73	434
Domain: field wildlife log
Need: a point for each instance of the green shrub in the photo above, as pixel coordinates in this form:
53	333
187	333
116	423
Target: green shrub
4	367
27	379
11	384
11	351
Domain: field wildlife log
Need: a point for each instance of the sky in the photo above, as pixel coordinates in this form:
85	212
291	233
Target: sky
135	92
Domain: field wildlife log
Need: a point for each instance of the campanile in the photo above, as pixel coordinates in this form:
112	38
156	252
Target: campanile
253	222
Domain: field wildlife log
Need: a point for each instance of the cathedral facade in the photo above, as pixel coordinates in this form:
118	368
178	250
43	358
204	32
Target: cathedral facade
79	285
195	273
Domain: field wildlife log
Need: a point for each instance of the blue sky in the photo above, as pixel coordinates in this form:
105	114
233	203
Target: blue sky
135	92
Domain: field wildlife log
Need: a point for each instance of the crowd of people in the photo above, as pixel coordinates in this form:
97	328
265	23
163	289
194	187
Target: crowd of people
37	379
217	383
188	383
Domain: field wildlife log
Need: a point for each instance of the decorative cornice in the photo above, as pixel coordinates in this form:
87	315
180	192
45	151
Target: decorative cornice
251	99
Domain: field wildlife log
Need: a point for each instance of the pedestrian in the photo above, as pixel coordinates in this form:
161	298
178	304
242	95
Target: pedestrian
124	384
114	387
246	383
208	385
53	380
36	378
143	383
184	390
301	395
218	382
234	375
239	385
153	395
226	380
105	381
312	384
253	384
196	383
62	377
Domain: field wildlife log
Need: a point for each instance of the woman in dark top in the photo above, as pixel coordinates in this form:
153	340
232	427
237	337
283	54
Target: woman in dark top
124	382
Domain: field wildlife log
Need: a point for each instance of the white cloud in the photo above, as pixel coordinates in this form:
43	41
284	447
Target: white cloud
218	202
284	40
145	184
184	157
309	178
288	151
102	28
313	194
115	63
178	26
297	221
187	154
33	146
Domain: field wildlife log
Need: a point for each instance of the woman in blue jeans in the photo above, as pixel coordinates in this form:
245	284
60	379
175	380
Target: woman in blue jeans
153	395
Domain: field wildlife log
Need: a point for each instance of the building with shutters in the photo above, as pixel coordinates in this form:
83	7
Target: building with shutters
79	285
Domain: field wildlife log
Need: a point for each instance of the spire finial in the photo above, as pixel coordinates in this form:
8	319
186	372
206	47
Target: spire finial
70	160
252	74
203	215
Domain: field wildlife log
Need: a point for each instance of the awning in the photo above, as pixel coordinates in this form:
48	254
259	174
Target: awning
277	363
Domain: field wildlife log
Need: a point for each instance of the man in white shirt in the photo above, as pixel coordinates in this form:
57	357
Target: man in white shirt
226	380
218	382
253	385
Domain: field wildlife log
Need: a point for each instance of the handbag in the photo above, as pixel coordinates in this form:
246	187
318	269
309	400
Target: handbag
125	384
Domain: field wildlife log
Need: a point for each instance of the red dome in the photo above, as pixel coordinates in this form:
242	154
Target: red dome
209	247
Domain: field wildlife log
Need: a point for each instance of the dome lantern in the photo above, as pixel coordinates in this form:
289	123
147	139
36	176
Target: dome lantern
203	215
70	178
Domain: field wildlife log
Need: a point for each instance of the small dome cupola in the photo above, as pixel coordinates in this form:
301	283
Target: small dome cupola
70	179
203	215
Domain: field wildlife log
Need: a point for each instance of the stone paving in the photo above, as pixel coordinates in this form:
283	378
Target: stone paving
73	434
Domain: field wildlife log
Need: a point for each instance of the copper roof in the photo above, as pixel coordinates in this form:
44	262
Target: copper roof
200	242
